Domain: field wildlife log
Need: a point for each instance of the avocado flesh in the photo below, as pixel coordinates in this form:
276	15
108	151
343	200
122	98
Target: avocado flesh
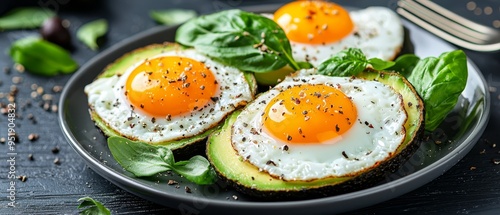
180	147
248	179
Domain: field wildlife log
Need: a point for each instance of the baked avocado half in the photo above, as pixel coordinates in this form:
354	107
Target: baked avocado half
247	178
184	146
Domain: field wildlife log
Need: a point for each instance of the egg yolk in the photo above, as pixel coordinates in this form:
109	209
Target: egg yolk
170	85
314	22
309	114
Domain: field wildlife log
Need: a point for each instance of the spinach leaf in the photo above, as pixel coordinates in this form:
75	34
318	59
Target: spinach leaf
439	82
25	18
92	207
91	31
142	159
172	16
348	62
42	57
241	39
379	64
405	64
197	169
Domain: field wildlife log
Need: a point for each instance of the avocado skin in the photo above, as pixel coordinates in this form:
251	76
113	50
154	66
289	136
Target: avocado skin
183	149
368	178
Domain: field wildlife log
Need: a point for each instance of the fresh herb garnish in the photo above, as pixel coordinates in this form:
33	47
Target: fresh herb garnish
439	81
25	18
92	207
350	62
91	31
405	64
245	40
172	16
42	57
142	159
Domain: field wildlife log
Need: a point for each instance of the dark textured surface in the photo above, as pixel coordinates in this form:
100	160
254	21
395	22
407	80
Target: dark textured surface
471	186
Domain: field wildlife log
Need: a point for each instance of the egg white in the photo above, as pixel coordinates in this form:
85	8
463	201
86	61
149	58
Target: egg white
378	32
107	98
377	133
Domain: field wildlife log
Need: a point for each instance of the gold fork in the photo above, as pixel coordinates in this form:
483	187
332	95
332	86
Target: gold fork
450	26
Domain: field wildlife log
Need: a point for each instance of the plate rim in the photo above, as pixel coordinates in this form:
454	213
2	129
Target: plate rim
122	181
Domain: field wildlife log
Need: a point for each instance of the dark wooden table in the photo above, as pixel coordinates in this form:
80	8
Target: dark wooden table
55	177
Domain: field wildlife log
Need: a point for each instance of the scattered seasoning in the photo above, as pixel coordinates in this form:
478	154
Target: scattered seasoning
345	154
30	157
270	162
235	197
22	178
187	189
2	140
57	161
19	67
472	168
57	89
55	150
33	137
285	148
172	182
482	151
496	161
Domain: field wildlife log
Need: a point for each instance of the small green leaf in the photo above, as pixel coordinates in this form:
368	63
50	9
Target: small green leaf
247	41
305	65
92	207
439	82
172	16
197	169
379	64
404	64
42	57
91	31
348	62
142	159
25	18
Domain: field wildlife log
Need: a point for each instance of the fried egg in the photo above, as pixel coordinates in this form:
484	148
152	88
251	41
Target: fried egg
170	96
317	30
313	127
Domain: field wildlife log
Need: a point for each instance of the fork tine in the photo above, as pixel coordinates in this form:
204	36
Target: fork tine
457	33
453	16
443	23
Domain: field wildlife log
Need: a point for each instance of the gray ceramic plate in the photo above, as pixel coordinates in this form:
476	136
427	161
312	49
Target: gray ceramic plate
458	134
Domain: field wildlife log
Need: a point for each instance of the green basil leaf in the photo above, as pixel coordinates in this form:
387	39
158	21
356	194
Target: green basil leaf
197	169
141	159
92	207
404	64
172	16
305	65
439	82
91	31
42	57
348	62
379	64
25	18
245	40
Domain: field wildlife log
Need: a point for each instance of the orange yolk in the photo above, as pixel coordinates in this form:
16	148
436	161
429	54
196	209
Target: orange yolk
309	114
314	22
170	86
